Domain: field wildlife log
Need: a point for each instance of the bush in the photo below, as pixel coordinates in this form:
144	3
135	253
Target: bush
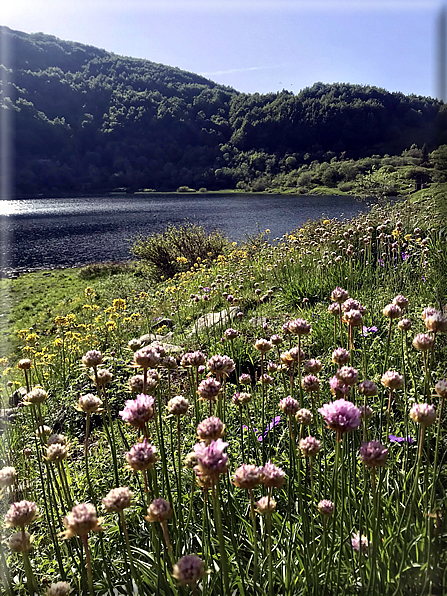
103	269
177	248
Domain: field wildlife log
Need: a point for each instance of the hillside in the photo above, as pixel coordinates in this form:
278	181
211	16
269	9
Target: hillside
89	120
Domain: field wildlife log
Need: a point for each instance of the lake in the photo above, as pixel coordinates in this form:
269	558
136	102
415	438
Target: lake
60	232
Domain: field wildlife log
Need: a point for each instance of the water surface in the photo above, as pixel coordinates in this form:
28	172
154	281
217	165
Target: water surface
59	232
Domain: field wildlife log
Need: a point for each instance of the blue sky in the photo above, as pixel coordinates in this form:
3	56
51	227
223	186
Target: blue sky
256	45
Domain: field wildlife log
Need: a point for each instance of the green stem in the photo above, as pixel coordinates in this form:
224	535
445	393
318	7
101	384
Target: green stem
30	580
223	552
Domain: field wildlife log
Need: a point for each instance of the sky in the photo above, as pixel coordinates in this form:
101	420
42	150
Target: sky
257	45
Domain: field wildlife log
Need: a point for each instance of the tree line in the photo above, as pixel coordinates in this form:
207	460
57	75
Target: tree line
88	120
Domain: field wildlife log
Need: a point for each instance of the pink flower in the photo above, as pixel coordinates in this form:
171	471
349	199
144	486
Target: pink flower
211	459
341	415
138	411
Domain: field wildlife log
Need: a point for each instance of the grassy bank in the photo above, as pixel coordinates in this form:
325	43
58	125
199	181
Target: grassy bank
258	530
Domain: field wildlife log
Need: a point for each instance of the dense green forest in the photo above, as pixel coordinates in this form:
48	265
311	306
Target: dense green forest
84	119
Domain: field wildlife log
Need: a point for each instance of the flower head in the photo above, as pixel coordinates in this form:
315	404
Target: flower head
178	406
20	542
245	379
193	359
373	454
289	405
35	396
299	327
231	333
148	357
211	459
241	398
159	510
24	364
368	388
272	476
265	505
392	311
360	543
401	302
8	476
441	387
404	325
339	295
92	359
338	389
347	375
353	317
340	356
423	414
392	380
189	570
56	452
81	520
276	340
304	416
142	456
117	499
21	514
89	404
423	342
312	366
103	376
436	322
59	589
136	383
209	389
220	365
341	415
309	446
262	345
334	309
247	476
326	507
138	411
310	383
210	429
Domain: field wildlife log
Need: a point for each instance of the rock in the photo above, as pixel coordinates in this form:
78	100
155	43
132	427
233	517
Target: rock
172	348
149	338
214	318
258	321
17	396
169	323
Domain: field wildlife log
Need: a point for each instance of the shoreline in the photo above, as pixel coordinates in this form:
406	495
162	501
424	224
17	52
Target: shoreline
144	193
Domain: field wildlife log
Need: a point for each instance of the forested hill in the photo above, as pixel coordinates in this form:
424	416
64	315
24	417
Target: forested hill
86	119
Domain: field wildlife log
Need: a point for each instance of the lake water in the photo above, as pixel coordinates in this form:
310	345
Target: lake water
44	233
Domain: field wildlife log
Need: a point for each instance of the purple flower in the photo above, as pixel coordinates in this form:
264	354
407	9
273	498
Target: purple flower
210	429
341	415
394	439
272	476
366	330
373	454
138	411
142	456
338	388
274	422
212	461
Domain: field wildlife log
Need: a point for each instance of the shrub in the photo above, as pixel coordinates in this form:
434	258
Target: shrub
103	269
177	248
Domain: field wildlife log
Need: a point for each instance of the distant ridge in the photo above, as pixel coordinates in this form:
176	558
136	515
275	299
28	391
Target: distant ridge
89	120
